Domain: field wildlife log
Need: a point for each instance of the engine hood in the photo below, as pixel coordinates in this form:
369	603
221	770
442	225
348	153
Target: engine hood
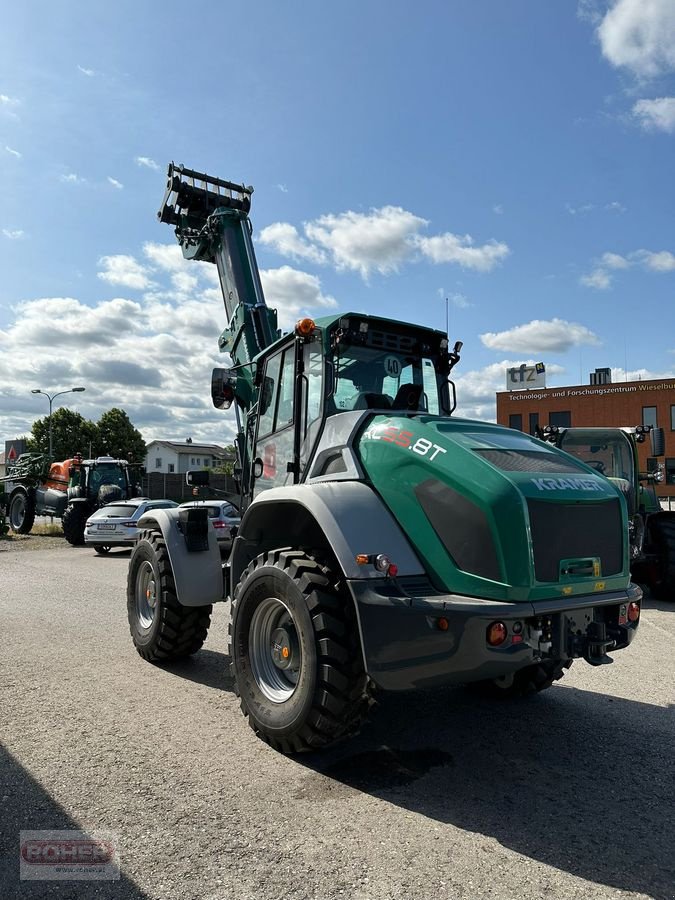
495	513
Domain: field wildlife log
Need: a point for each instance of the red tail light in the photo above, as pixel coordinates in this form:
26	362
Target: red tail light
217	524
633	611
496	634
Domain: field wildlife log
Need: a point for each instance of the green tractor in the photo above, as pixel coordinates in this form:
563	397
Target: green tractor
613	452
384	544
70	490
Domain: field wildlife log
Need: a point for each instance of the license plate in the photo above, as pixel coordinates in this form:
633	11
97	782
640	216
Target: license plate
107	527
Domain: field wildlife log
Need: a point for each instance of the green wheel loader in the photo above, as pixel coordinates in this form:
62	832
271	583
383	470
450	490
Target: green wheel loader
613	452
384	543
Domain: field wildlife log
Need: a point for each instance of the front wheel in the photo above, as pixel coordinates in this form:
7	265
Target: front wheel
161	628
296	657
21	511
530	680
102	549
73	522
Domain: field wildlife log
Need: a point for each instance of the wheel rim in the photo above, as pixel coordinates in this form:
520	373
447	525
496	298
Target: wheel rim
146	594
18	511
274	650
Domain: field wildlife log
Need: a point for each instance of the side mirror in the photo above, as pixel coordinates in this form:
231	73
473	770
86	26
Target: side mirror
258	467
198	478
223	386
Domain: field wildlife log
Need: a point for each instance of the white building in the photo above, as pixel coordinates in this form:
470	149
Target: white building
179	456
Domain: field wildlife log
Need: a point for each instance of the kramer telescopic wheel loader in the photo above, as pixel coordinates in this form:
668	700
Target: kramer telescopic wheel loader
651	530
384	544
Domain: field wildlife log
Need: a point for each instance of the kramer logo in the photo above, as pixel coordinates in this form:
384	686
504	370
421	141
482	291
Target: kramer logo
566	484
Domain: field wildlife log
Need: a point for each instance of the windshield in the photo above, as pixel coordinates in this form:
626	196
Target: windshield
607	452
373	378
106	473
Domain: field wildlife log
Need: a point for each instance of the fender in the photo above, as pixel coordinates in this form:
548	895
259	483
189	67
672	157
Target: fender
198	576
349	515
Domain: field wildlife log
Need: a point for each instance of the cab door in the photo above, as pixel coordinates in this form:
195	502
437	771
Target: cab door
275	434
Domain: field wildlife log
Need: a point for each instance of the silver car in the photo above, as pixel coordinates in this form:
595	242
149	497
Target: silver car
115	525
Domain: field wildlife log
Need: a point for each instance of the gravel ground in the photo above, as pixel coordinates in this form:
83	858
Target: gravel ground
568	795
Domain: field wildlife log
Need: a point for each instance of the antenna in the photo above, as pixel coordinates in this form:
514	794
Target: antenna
447	318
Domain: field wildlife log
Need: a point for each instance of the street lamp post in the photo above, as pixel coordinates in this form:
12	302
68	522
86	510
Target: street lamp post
51	398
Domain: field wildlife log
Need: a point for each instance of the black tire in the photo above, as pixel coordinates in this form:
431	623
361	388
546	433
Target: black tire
661	572
530	680
161	628
102	549
73	522
21	511
296	656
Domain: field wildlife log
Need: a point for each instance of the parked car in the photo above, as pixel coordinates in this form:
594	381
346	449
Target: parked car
223	516
115	525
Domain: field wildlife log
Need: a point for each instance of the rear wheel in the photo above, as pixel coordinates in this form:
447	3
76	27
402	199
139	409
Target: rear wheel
73	522
21	511
162	629
530	680
295	652
661	572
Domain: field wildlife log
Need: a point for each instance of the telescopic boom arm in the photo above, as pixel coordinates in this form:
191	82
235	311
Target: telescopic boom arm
212	225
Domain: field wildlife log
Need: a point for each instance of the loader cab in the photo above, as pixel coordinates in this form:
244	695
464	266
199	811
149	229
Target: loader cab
610	452
339	365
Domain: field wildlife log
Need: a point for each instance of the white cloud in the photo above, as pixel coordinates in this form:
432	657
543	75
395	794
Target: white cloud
8	102
639	35
88	72
453	248
380	240
577	210
555	335
169	257
115	183
662	261
460	301
293	293
13	152
284	238
13	234
283	188
147	163
656	115
598	279
125	271
615	206
498	209
601	276
71	178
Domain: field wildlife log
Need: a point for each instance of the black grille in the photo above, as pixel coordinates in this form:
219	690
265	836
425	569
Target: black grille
530	461
396	342
576	531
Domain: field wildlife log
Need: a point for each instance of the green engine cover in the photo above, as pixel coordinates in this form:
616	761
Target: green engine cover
495	513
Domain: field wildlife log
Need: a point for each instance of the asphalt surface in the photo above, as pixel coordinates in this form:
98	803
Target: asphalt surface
570	794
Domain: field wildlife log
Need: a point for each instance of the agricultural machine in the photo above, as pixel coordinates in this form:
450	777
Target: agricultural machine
613	452
70	490
384	543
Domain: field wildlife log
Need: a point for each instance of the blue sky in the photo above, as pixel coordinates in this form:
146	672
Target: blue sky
513	157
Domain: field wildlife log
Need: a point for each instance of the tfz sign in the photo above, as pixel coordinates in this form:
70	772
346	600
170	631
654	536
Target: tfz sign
521	378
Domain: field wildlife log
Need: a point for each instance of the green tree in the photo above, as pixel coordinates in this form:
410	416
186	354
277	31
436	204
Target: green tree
71	434
227	467
116	436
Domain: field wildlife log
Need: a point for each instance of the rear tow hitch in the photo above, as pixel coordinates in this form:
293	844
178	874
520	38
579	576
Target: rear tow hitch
597	644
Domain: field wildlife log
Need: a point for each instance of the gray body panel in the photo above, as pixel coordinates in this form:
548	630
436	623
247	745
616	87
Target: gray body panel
350	515
337	436
198	575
